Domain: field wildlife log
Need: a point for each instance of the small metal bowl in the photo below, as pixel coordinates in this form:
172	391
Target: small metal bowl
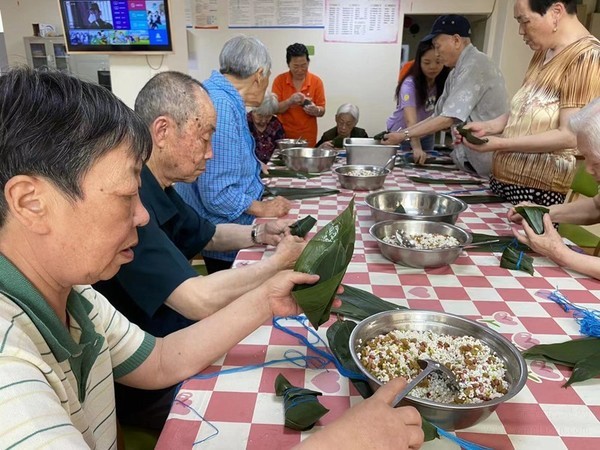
311	160
358	183
413	257
417	204
448	416
282	144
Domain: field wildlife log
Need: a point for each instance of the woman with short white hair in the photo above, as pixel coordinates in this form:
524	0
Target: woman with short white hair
346	119
265	127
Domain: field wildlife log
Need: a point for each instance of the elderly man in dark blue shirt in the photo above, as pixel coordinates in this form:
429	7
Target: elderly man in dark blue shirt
159	290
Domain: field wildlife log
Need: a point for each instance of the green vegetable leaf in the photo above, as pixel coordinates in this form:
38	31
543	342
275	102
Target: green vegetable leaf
469	136
327	254
359	304
303	226
444	180
516	260
534	215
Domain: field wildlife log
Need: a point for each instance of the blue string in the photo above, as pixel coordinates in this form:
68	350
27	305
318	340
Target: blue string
216	432
519	260
327	355
464	444
588	319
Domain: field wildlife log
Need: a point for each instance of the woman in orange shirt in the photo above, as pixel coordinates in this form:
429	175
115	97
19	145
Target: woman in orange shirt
302	96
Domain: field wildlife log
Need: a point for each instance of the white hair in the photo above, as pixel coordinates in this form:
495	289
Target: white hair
586	126
269	106
348	108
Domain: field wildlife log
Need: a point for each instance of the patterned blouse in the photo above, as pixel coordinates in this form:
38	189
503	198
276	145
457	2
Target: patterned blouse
265	140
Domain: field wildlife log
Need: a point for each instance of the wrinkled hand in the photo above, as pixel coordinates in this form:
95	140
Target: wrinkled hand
288	250
393	138
312	110
549	243
278	207
419	156
514	216
297	98
374	424
275	230
327	144
264	168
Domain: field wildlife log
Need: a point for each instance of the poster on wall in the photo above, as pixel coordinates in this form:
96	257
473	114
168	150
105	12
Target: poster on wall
276	13
371	21
201	14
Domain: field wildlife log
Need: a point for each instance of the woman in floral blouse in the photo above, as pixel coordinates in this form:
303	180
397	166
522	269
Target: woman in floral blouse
265	128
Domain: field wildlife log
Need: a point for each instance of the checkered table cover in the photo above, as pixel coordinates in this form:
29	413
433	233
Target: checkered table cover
247	414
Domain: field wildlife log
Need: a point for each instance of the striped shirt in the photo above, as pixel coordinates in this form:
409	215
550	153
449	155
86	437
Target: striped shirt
56	384
232	181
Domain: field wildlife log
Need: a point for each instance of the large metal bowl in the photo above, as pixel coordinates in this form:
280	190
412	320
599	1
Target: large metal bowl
282	144
447	416
413	257
417	204
368	151
361	183
311	160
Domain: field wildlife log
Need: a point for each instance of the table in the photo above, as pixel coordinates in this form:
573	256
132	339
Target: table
247	414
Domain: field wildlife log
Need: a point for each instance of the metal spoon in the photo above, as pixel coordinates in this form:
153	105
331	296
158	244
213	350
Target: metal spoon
428	366
404	240
390	164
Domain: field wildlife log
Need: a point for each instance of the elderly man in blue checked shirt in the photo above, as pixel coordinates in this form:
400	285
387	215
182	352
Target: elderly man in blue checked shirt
230	189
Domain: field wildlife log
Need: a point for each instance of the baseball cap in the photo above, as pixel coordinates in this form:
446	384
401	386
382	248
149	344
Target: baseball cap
450	24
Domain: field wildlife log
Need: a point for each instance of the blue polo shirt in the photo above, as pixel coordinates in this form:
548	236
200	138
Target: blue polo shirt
173	236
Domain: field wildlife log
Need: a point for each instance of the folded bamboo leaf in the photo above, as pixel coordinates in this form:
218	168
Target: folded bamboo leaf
480	199
444	180
534	215
503	242
338	142
469	136
338	337
567	353
585	368
302	408
284	173
303	226
516	260
379	136
327	254
359	304
400	209
297	193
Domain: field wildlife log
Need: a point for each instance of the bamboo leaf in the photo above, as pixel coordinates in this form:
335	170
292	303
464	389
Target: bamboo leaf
444	180
302	408
284	173
469	136
586	368
503	242
303	226
534	215
359	304
297	193
516	260
328	254
338	142
568	353
379	136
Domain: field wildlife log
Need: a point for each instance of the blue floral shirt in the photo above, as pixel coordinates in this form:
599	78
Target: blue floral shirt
231	181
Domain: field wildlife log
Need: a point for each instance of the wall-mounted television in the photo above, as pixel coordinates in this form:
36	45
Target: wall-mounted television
115	26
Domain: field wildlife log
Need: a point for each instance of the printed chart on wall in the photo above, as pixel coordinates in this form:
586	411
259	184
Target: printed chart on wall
276	13
370	21
201	14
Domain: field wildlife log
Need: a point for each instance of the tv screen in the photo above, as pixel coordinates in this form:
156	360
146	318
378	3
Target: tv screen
116	26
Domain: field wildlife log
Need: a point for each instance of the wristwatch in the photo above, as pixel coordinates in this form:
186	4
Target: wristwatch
406	135
254	235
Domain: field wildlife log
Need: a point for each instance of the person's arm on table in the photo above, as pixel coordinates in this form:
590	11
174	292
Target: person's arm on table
372	423
199	297
423	128
232	236
186	352
551	245
277	207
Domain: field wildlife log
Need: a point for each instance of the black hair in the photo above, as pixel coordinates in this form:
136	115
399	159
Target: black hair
56	126
170	94
295	50
420	79
542	6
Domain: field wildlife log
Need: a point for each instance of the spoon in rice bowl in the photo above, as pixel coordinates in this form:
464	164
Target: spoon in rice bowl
428	366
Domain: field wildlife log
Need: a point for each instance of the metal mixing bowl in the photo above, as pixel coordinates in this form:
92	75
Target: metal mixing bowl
447	416
417	204
282	144
414	257
312	160
368	151
358	183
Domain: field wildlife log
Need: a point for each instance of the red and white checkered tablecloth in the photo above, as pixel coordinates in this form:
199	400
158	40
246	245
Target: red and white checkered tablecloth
247	414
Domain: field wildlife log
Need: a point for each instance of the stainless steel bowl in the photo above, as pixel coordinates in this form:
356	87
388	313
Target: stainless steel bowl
418	206
358	183
312	160
447	416
368	151
413	257
282	144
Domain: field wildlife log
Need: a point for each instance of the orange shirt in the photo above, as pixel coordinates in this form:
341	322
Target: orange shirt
296	123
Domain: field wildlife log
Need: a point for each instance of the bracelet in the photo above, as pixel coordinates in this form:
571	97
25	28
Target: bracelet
406	135
254	235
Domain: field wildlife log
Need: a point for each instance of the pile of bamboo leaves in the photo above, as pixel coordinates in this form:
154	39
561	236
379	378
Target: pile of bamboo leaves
327	254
